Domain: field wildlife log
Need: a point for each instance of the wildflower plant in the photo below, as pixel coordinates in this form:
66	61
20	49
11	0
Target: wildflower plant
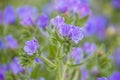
70	43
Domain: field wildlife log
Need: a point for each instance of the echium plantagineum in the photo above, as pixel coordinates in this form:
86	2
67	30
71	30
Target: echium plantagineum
96	25
77	54
11	42
75	6
75	33
43	21
27	15
89	48
115	4
9	16
31	47
15	67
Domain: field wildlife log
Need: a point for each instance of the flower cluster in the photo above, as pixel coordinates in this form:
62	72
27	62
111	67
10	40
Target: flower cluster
75	42
75	33
76	6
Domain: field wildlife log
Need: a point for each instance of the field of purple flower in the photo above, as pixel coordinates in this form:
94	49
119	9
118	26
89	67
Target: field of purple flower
60	40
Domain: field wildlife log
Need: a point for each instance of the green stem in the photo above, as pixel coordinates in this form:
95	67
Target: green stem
59	70
47	61
81	63
5	30
64	71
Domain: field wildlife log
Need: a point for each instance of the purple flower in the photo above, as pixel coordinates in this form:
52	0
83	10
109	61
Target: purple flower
43	21
84	11
61	5
84	73
116	4
31	47
27	15
11	42
89	48
116	56
1	16
49	8
65	30
102	78
76	34
9	15
96	26
15	67
77	54
37	60
115	76
58	21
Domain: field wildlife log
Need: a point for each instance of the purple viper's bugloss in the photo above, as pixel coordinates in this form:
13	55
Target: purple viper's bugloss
27	15
58	21
11	42
42	21
84	73
15	67
84	11
61	5
96	26
115	76
77	54
76	34
102	78
65	30
89	48
116	4
31	47
9	15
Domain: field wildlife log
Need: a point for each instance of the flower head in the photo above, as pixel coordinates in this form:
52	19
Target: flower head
9	15
27	15
77	54
31	46
15	67
43	21
96	26
11	42
89	48
58	21
61	5
65	30
84	73
115	76
116	4
76	34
